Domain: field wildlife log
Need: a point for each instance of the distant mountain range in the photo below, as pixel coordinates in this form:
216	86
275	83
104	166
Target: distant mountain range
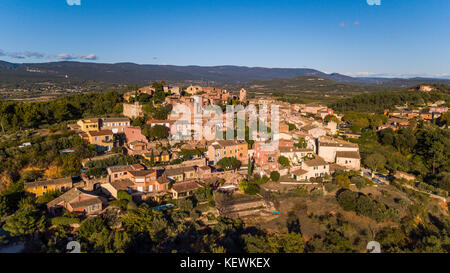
130	73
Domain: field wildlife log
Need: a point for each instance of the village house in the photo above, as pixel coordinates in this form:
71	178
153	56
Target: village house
193	90
179	174
148	181
440	110
112	188
284	127
136	148
184	189
103	139
311	168
134	134
327	150
75	200
228	148
314	130
123	171
204	172
39	188
87	125
265	156
313	108
426	116
158	156
175	90
350	160
331	127
116	125
295	155
325	112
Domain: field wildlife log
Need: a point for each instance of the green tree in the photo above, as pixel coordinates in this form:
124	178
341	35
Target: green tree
375	161
284	161
359	181
292	127
347	199
332	118
275	176
159	132
3	207
25	221
342	180
229	163
91	226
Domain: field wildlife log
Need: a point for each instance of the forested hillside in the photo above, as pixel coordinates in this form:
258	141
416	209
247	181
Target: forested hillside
377	102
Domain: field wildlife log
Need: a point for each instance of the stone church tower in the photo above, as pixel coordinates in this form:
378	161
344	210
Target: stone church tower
243	95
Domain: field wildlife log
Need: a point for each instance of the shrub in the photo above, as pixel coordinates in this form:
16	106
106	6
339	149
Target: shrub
122	204
316	192
275	176
123	195
347	199
358	181
194	214
330	187
64	221
284	161
131	205
185	204
342	180
91	226
252	189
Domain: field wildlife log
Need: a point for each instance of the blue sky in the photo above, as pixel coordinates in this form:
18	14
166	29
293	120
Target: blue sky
396	38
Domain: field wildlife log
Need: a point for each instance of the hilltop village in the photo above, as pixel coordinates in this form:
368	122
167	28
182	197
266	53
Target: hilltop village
143	159
308	151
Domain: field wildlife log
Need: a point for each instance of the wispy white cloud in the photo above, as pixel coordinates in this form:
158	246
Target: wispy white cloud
342	24
67	57
16	55
37	55
22	55
89	57
356	23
